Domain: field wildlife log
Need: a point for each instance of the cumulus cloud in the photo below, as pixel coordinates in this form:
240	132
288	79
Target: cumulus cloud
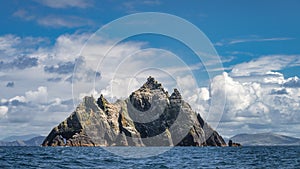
67	47
279	91
32	96
3	111
21	57
256	106
21	62
292	82
258	97
7	44
34	104
238	96
21	99
12	46
273	78
56	63
45	104
60	68
39	96
32	111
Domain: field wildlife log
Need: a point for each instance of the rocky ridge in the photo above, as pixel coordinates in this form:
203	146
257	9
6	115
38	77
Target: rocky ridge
149	117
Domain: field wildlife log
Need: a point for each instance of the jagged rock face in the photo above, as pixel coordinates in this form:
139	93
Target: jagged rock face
149	117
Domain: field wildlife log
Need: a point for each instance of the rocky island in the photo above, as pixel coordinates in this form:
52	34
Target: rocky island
148	117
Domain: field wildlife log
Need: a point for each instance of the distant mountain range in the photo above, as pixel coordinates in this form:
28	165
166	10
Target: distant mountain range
21	137
266	139
34	141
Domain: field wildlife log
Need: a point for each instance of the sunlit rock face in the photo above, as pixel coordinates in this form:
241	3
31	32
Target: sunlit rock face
148	117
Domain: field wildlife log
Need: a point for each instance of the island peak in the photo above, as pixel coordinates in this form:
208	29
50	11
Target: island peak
148	117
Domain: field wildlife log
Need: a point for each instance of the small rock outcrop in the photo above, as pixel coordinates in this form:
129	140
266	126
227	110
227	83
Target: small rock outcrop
233	144
148	117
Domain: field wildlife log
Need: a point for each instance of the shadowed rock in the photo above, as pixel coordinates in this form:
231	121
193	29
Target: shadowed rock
233	144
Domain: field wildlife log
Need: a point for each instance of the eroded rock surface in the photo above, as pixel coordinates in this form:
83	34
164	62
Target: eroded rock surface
149	117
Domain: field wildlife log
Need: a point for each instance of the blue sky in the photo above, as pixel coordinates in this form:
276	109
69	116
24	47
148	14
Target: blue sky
257	41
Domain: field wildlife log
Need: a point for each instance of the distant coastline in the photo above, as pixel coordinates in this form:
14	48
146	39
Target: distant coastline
259	139
265	139
34	141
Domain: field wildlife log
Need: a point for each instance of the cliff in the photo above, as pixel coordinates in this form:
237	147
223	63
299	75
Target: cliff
149	117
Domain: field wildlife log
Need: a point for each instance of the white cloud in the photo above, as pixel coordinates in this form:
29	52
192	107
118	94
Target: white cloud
292	82
66	4
24	14
238	96
130	65
39	96
33	111
3	111
253	88
18	98
6	44
34	101
131	6
257	106
250	39
57	21
3	100
258	99
65	50
12	46
68	43
273	77
186	82
264	65
54	20
203	93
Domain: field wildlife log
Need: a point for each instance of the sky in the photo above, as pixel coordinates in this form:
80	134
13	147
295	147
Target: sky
51	55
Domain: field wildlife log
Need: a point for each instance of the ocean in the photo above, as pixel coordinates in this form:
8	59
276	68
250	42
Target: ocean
178	157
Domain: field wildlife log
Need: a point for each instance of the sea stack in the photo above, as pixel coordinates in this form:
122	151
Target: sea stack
148	117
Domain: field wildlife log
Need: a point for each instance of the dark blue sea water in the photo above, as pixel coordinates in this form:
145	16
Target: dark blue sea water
179	157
